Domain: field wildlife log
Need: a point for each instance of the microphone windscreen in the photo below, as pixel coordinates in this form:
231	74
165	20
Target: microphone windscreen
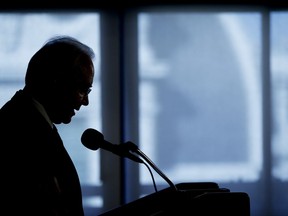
92	139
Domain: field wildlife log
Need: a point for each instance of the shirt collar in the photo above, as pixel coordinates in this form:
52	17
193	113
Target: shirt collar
42	110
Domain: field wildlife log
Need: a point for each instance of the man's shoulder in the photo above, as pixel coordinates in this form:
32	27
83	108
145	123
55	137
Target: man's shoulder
18	110
19	101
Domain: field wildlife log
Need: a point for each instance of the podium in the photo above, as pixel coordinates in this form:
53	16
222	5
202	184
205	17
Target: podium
195	198
184	199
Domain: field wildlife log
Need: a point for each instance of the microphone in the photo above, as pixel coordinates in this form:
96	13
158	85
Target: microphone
93	140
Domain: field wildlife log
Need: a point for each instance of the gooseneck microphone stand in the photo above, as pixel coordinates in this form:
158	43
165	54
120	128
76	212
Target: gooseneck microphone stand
134	148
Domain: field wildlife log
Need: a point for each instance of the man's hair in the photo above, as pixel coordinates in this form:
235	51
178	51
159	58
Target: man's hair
60	58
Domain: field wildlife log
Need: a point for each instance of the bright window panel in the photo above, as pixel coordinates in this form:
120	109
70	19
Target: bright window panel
279	74
200	95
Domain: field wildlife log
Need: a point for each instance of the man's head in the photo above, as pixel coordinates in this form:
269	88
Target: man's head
60	77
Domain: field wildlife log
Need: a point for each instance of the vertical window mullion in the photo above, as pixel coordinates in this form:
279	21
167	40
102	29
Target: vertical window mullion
111	113
130	101
266	105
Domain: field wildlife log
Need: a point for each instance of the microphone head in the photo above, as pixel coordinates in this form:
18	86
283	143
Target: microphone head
92	139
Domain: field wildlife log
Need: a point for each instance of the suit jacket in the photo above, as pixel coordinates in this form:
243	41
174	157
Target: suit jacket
37	175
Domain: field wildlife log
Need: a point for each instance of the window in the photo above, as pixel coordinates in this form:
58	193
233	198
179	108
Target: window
22	35
203	116
279	70
201	96
202	91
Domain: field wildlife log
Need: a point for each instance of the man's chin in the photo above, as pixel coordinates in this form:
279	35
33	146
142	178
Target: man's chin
64	121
